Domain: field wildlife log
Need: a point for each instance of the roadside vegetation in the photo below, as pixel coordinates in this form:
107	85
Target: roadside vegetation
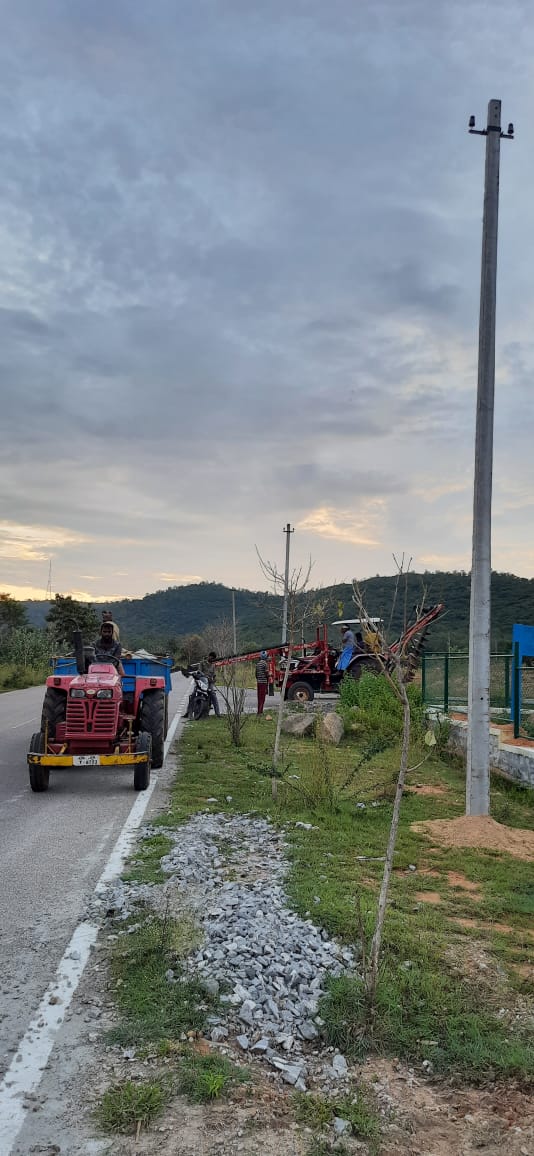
458	946
454	996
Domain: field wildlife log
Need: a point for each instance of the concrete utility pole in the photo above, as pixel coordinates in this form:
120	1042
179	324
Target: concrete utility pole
287	531
478	772
233	621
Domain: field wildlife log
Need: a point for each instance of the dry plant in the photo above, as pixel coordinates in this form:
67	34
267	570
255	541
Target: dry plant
297	584
397	672
219	638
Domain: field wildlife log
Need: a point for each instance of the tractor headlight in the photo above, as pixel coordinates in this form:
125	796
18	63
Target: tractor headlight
77	693
104	694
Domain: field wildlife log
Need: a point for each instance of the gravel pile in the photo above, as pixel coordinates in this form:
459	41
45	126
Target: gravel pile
267	964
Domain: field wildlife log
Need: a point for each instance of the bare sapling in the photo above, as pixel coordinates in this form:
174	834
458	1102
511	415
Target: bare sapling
219	638
296	585
392	665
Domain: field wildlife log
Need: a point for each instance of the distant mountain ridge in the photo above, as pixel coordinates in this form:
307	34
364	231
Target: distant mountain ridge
158	619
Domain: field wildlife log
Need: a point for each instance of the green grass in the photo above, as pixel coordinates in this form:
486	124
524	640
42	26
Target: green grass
205	1078
433	1000
146	867
359	1107
15	676
126	1105
153	1009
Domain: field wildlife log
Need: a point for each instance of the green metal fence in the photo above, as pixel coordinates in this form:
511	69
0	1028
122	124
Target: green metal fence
444	680
444	685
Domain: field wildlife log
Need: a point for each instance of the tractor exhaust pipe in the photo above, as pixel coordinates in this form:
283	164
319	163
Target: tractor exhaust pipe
77	639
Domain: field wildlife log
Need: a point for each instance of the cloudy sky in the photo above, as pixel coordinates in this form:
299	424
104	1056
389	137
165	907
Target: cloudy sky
239	286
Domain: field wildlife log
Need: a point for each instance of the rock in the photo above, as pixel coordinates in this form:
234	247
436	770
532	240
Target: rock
332	729
339	1065
342	1127
299	725
211	986
243	1042
308	1030
292	1073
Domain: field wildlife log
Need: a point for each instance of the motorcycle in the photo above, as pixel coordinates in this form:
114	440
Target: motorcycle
199	700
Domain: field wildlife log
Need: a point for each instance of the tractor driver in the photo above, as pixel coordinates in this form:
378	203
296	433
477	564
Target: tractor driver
107	650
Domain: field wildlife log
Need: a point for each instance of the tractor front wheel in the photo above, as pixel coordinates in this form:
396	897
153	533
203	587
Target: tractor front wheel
143	745
54	710
300	692
152	719
39	776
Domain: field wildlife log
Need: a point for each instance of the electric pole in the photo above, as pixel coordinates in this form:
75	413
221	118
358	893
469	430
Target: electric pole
287	531
233	621
478	734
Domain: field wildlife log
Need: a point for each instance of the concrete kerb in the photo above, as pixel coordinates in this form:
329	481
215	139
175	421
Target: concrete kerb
510	761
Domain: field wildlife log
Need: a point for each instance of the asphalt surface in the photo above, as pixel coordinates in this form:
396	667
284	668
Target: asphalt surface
53	848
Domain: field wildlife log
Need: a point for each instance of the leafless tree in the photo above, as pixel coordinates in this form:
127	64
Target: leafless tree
297	584
393	666
219	638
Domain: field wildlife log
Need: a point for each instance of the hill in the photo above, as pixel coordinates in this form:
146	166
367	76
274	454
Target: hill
159	620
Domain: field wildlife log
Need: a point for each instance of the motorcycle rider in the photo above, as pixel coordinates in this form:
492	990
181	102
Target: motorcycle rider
207	667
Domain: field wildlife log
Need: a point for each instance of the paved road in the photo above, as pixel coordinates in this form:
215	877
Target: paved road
53	848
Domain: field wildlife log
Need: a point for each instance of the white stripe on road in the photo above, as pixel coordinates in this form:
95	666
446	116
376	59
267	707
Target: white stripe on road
25	1071
24	724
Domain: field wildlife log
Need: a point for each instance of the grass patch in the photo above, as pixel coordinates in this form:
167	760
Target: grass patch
125	1106
425	1013
146	867
359	1107
153	1008
205	1078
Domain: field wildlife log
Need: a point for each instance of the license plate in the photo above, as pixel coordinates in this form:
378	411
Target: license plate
86	760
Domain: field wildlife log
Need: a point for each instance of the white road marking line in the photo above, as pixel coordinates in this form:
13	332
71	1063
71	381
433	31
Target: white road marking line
25	1071
24	724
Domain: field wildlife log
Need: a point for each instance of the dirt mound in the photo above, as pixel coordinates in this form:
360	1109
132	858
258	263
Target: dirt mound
479	831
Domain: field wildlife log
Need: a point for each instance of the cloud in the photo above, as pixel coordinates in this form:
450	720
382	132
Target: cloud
343	525
240	263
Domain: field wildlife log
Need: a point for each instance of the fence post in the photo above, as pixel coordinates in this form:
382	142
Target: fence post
423	676
507	701
446	685
516	691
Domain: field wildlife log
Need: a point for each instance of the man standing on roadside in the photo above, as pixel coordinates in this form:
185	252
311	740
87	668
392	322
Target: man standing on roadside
262	679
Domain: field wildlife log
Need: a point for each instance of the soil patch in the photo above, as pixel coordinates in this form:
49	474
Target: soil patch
479	831
458	880
426	789
428	896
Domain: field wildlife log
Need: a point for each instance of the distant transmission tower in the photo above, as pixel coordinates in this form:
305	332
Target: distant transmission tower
49	586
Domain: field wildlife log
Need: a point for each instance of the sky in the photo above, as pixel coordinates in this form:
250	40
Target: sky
239	287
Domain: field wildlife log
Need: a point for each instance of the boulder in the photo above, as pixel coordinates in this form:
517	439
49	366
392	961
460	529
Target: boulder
332	728
299	725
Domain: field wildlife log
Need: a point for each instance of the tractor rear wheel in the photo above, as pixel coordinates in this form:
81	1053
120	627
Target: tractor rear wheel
166	717
143	745
54	710
300	692
365	665
152	719
39	776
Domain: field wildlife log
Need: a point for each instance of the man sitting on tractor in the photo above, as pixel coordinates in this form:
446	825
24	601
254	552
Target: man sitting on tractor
107	650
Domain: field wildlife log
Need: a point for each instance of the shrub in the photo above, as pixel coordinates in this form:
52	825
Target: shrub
379	712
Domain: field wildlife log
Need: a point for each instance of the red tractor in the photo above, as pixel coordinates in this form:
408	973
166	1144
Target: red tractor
93	717
313	666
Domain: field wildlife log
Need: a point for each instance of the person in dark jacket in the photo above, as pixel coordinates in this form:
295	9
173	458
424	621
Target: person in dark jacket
208	666
262	679
107	650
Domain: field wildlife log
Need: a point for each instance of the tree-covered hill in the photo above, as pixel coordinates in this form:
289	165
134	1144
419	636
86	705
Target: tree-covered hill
159	620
